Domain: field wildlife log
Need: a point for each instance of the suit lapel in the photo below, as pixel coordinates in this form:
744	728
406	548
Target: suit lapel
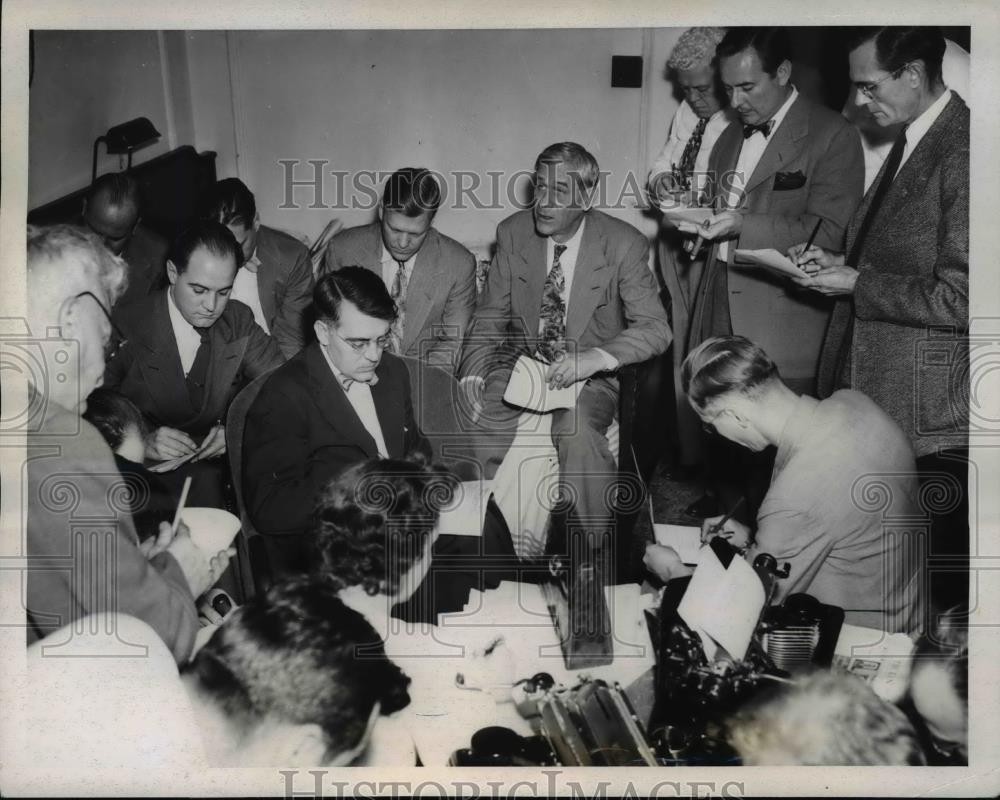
389	409
155	350
782	146
529	283
267	273
333	404
585	290
424	279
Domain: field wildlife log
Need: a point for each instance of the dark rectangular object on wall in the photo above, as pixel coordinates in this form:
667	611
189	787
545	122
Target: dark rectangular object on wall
626	72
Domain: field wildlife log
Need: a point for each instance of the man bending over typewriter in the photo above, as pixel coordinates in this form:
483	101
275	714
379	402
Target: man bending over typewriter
841	506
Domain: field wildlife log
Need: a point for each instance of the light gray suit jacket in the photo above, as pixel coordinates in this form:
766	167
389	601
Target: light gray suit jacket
902	338
440	296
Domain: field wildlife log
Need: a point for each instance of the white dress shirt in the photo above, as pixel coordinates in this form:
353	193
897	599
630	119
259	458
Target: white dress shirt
390	266
359	395
187	338
245	290
568	263
750	155
917	129
681	128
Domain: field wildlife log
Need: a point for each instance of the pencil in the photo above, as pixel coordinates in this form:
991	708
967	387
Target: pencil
718	526
180	505
812	237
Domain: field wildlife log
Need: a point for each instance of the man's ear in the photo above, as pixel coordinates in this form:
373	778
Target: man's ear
784	72
319	327
172	272
69	318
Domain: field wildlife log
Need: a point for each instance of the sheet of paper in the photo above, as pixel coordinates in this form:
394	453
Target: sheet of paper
527	388
467	512
770	259
724	603
685	539
881	659
173	463
695	216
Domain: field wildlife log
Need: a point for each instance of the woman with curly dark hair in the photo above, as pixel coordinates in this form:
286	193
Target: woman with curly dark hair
375	527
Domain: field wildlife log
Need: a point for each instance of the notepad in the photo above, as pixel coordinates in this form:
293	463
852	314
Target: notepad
528	389
685	539
771	260
695	215
173	463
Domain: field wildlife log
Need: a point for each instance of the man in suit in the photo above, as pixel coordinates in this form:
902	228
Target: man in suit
788	165
111	209
340	401
275	281
188	350
899	330
572	285
75	569
431	277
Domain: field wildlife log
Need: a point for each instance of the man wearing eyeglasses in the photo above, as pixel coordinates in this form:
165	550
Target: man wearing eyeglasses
340	401
899	329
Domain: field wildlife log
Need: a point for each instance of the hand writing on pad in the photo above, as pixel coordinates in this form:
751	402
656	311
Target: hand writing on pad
736	533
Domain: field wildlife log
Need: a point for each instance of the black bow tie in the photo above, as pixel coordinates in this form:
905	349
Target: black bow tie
764	128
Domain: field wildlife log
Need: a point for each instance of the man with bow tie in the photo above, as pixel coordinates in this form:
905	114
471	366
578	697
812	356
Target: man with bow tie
786	164
340	401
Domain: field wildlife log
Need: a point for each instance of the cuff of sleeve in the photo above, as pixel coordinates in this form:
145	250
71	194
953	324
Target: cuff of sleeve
610	362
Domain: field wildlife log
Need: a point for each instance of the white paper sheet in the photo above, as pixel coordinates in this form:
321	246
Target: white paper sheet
467	512
881	659
685	539
527	388
172	464
770	259
724	603
696	216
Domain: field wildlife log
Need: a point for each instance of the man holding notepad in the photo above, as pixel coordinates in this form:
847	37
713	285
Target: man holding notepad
571	286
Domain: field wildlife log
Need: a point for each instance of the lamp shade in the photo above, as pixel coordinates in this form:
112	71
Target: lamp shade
130	136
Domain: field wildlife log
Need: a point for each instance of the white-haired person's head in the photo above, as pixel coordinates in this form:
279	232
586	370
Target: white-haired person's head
691	67
73	280
824	719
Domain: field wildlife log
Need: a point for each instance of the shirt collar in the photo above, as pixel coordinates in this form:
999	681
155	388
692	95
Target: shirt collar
916	130
572	244
780	114
341	378
253	261
180	325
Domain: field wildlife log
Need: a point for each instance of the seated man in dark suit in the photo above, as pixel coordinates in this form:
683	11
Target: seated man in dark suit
276	279
188	350
431	277
340	401
111	209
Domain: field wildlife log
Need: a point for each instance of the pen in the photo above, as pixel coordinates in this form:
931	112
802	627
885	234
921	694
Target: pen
180	505
718	526
812	236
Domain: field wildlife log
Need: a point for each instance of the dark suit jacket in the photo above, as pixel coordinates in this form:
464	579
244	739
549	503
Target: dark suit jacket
789	323
146	256
285	284
82	546
439	298
614	303
301	432
914	266
148	369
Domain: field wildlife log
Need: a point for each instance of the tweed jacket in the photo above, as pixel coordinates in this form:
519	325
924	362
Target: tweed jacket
902	338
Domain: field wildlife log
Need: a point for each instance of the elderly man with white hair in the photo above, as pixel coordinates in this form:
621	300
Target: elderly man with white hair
83	553
682	165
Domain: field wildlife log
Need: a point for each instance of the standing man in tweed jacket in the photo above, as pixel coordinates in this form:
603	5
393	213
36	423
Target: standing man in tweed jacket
899	331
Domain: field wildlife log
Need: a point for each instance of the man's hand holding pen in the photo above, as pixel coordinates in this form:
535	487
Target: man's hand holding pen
823	270
736	533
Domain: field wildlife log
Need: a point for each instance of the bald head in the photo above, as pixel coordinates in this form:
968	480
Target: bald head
111	209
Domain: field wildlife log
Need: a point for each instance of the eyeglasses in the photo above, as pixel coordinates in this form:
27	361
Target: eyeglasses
868	89
361	345
118	340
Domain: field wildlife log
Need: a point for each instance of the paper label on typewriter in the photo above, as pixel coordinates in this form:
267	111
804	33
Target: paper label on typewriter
723	604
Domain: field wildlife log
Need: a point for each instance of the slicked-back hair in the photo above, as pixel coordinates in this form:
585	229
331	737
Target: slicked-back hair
374	521
577	160
772	45
113	414
412	191
231	203
359	286
79	250
214	236
895	47
298	655
114	188
725	364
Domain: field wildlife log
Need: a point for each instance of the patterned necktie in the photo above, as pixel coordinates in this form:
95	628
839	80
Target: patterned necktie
690	153
764	128
552	334
891	167
398	294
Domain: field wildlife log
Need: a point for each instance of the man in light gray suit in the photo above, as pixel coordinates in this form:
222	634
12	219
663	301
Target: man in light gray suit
899	330
431	277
